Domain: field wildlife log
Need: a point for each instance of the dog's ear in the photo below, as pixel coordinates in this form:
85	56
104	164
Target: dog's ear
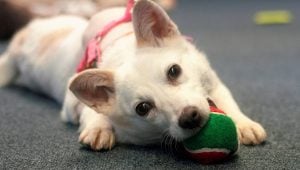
95	88
152	24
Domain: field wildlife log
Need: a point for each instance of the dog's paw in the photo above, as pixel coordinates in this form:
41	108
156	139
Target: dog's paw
250	132
97	138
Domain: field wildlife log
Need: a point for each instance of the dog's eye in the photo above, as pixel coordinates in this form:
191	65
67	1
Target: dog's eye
143	108
174	72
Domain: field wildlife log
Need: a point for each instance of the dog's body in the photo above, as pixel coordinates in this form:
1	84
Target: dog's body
15	14
151	80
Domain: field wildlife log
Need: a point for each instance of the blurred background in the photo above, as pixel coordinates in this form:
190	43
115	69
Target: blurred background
253	45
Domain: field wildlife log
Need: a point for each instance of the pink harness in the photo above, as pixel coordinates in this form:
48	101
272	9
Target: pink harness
93	51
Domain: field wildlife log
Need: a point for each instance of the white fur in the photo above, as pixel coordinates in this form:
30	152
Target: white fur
138	66
7	70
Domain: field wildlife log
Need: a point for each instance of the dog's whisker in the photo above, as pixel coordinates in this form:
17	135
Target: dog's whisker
177	146
168	143
163	143
171	146
164	140
174	146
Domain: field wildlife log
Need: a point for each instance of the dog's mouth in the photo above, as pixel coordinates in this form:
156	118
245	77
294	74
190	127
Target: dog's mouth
173	143
181	134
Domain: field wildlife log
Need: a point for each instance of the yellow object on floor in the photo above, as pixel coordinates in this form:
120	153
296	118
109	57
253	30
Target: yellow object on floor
273	17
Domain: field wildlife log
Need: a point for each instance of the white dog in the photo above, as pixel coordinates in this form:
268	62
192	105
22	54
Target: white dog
151	80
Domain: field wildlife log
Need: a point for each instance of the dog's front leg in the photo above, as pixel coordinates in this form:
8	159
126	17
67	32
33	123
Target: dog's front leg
71	109
96	130
95	88
250	132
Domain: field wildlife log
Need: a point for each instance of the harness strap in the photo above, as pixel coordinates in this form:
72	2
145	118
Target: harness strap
93	51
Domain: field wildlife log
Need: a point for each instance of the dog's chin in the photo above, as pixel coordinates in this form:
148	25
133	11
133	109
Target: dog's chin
181	135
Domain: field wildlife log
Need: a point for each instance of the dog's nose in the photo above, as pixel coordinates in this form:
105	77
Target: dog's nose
190	118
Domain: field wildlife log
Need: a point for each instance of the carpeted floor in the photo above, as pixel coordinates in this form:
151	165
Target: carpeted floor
260	64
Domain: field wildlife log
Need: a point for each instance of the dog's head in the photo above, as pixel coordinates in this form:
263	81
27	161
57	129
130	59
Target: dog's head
162	89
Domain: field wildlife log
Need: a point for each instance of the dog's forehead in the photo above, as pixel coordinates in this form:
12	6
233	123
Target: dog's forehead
147	70
151	64
150	58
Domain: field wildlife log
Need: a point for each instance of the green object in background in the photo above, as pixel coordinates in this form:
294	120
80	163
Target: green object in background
273	17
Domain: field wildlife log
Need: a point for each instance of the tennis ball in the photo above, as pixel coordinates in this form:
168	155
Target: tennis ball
216	141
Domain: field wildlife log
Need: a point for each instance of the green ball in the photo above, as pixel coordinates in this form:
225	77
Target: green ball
217	140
